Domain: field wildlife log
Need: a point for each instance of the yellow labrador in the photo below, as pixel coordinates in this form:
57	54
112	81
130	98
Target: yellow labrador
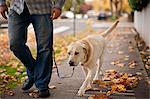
87	52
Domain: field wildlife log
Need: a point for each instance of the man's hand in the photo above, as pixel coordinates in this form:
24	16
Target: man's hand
56	12
3	9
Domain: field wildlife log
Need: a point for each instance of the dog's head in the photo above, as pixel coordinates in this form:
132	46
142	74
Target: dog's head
76	53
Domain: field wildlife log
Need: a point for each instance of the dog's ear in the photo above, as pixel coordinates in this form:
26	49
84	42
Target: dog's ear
84	47
85	50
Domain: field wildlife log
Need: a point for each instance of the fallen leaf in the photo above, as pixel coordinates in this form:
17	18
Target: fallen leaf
24	73
33	95
2	70
120	52
121	64
99	96
3	86
110	52
11	93
115	62
119	82
110	46
19	70
109	93
138	73
148	81
124	76
116	88
97	82
126	57
132	64
147	67
131	49
17	73
106	78
121	88
112	63
91	97
112	71
142	52
35	91
52	87
148	61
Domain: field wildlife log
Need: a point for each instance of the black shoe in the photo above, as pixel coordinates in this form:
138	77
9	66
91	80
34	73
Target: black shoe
27	85
44	93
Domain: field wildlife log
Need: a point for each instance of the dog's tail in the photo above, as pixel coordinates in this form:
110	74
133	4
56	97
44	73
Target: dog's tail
109	30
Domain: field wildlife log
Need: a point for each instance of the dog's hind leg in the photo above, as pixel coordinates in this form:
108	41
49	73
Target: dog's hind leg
98	70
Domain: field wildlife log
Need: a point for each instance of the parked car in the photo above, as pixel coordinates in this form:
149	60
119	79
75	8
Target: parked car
103	15
91	13
67	15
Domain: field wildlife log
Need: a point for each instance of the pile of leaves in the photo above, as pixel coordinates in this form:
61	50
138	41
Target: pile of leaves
5	54
10	77
5	86
116	82
11	70
131	64
145	54
99	96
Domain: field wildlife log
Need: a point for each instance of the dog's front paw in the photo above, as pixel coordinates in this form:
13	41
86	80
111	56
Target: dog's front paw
88	87
81	92
101	73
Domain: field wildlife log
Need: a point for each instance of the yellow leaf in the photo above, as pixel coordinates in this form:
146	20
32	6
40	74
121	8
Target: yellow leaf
99	96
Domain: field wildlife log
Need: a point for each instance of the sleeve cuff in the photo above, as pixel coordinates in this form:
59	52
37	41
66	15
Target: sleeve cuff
59	4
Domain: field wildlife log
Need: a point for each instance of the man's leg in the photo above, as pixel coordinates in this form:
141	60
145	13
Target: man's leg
17	26
43	27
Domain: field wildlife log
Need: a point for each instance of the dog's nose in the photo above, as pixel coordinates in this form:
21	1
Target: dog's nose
71	63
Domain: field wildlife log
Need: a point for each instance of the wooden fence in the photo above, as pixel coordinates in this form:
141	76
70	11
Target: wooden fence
142	23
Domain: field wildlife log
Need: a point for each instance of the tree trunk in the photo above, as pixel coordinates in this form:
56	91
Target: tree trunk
111	6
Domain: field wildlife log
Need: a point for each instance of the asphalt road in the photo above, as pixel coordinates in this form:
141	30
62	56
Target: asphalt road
67	25
70	24
63	25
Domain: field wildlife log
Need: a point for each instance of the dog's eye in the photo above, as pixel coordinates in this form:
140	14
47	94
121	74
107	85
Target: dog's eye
69	53
76	53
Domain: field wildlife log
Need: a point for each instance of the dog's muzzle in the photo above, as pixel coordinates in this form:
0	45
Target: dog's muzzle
71	63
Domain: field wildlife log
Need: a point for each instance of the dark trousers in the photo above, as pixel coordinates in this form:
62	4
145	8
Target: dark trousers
39	69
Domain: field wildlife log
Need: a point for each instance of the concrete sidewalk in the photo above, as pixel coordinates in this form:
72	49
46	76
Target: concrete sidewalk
116	49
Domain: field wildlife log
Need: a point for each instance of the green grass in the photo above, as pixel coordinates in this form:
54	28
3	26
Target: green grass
11	83
57	51
113	18
9	70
